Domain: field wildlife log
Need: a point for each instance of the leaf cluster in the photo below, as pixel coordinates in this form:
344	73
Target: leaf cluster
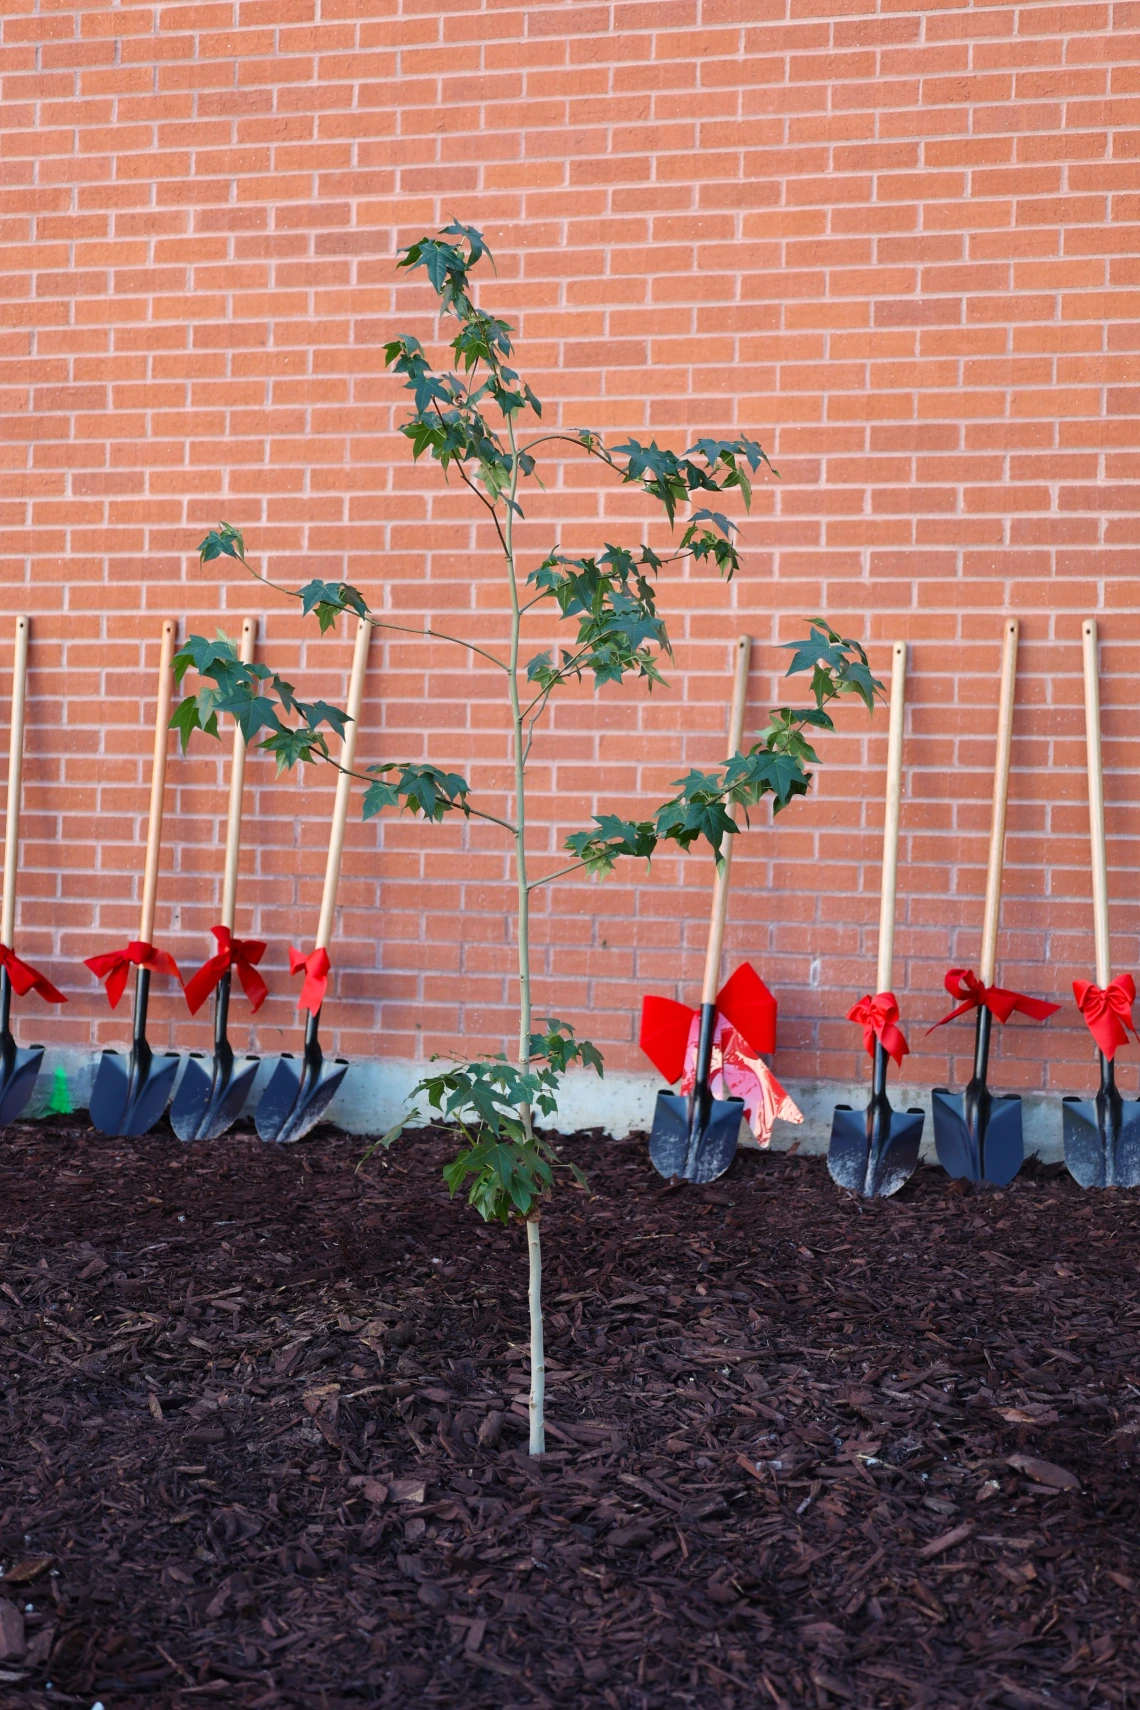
229	686
448	420
776	766
449	423
709	466
235	688
425	789
506	1168
618	623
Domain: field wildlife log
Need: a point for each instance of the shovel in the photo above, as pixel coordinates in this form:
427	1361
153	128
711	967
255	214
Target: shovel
130	1094
295	1100
1102	1135
695	1138
18	1066
874	1152
206	1104
977	1134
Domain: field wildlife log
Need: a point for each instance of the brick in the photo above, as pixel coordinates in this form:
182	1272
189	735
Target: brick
900	249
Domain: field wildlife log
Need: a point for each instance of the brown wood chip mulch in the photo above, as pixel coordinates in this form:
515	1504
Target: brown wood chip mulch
265	1421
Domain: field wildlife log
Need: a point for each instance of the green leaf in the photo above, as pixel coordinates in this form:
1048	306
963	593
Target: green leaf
290	747
698	812
717	518
329	599
542	670
322	712
203	656
377	797
599	850
186	721
424	790
447	267
558	1045
225	541
658	471
389	1139
838	666
777	765
476	242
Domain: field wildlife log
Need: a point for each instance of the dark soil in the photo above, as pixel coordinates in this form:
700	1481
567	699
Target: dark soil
250	1451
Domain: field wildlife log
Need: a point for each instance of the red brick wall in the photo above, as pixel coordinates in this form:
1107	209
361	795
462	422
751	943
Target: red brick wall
899	245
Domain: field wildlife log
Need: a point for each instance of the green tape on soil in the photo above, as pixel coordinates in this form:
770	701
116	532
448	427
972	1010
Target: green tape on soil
59	1104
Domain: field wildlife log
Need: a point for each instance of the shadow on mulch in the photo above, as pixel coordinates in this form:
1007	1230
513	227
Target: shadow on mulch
265	1427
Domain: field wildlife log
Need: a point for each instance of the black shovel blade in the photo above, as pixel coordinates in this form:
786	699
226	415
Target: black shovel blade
1084	1142
702	1154
295	1099
850	1148
209	1102
1099	1151
131	1093
955	1145
1003	1146
979	1140
875	1165
20	1070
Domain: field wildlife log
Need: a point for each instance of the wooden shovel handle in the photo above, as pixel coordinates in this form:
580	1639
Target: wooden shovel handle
1096	804
344	782
896	731
157	782
237	785
988	964
720	890
15	779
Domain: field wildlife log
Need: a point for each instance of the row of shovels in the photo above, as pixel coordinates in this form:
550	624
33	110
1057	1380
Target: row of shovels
977	1133
132	1091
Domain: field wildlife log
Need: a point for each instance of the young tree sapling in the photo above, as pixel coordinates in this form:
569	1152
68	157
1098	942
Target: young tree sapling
506	1164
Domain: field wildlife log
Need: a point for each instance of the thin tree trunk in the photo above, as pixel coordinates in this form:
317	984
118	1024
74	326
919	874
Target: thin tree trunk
537	1349
537	1407
520	771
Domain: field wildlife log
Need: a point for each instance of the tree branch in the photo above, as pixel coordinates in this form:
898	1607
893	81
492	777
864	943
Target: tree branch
574	867
482	497
381	623
563	672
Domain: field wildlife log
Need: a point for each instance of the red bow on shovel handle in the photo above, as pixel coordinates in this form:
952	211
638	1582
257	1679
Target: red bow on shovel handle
240	953
25	979
1107	1011
877	1016
316	982
963	983
744	1001
114	967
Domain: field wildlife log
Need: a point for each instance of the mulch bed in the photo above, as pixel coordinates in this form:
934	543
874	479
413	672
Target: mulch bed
265	1432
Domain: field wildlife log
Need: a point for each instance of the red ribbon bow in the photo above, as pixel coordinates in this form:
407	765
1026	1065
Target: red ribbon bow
877	1016
964	983
114	967
1107	1011
316	982
744	1001
25	979
239	953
